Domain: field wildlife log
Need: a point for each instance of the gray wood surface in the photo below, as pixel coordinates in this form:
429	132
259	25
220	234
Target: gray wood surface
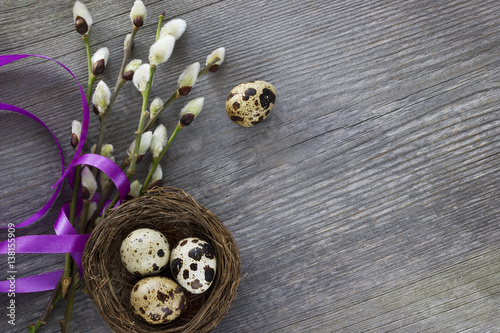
368	201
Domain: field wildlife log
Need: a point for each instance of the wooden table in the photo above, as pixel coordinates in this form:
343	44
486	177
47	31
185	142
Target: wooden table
367	201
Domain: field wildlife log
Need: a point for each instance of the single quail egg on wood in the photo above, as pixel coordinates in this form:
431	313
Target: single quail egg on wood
250	103
145	252
157	299
193	264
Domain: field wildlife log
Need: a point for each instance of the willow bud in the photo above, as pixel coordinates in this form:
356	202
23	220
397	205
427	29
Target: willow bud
81	18
100	60
143	146
141	77
161	50
101	98
76	132
191	111
128	40
219	53
155	107
135	189
138	13
158	141
89	184
156	177
132	66
187	79
107	150
175	27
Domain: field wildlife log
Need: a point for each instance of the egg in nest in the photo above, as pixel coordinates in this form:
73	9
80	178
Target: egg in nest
157	299
193	264
145	252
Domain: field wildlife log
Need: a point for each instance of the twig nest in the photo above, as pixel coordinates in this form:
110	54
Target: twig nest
178	216
157	299
145	252
193	264
250	103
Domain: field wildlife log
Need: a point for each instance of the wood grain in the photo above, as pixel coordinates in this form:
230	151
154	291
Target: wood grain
368	201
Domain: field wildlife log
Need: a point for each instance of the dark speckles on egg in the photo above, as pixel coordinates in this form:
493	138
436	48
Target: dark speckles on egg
160	253
176	266
193	266
208	251
267	98
184	242
167	312
196	284
196	253
185	274
161	296
154	316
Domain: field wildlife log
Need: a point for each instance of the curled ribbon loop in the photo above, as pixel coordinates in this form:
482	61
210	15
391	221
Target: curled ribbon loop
66	240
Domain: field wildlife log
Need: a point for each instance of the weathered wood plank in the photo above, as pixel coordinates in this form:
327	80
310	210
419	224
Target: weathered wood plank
367	201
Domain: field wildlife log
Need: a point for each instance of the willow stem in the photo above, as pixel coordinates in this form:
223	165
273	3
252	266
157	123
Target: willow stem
119	84
142	120
55	297
156	161
158	28
76	278
138	133
69	303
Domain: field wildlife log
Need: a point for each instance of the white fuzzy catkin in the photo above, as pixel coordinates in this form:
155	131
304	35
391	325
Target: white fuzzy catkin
79	10
89	181
138	10
161	50
218	53
189	76
193	107
175	28
141	77
101	97
155	106
102	53
135	189
76	128
157	175
127	41
143	146
133	65
158	141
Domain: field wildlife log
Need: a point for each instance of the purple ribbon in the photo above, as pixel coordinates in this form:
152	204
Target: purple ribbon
66	240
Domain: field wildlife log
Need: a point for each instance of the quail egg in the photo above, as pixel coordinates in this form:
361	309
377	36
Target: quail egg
157	299
145	252
193	264
250	103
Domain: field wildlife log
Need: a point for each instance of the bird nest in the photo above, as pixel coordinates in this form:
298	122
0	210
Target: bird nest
177	215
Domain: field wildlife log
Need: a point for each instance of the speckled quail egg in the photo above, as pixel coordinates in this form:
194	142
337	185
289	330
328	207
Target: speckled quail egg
145	252
157	299
193	264
250	103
